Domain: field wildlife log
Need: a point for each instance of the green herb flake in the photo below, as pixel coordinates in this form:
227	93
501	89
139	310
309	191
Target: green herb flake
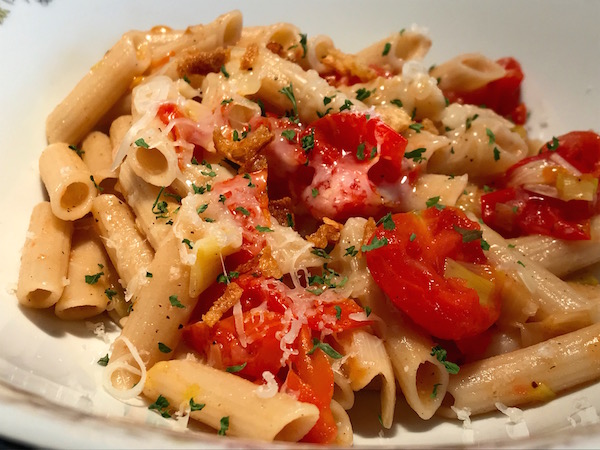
440	355
416	127
141	143
412	237
470	121
521	263
363	94
360	151
375	244
386	49
187	243
224	426
487	189
290	220
434	201
553	145
222	198
388	222
326	348
435	388
347	105
202	208
320	253
77	150
163	348
396	102
103	361
262	229
196	406
161	405
367	311
98	188
468	235
484	245
351	251
314	192
226	101
234	369
338	312
93	279
496	154
511	246
288	91
224	71
175	302
290	135
416	155
491	136
149	275
242	210
308	141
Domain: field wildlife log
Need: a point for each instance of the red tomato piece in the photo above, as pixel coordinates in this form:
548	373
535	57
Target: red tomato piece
517	210
354	159
261	353
410	270
311	379
502	95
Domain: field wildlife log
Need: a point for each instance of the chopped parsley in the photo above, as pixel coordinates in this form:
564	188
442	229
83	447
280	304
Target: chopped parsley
175	302
288	91
290	220
521	263
95	185
416	127
186	79
160	209
308	141
226	101
468	235
496	154
262	229
553	145
161	405
326	348
484	245
103	361
222	278
290	135
224	72
242	210
196	406
388	222
435	388
440	355
141	143
303	44
367	311
416	155
470	121
234	369
486	188
397	102
149	275
412	237
77	150
202	208
386	49
360	151
249	178
434	201
314	192
351	251
93	279
375	244
224	426
163	348
338	312
110	293
222	198
363	94
511	246
491	136
347	105
320	253
188	243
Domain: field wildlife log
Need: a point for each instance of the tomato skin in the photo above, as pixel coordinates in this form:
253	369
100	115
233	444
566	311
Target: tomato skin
502	95
345	181
262	352
514	211
411	273
311	379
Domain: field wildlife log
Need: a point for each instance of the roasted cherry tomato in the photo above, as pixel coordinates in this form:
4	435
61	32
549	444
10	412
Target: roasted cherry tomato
502	95
543	195
354	158
260	349
431	265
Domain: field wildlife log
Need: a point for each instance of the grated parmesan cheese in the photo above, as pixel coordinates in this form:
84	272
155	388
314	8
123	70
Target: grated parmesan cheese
270	388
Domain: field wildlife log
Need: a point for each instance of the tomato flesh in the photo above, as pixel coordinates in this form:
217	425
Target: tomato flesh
410	270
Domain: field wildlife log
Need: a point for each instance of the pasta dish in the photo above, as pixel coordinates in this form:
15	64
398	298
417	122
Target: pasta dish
276	224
